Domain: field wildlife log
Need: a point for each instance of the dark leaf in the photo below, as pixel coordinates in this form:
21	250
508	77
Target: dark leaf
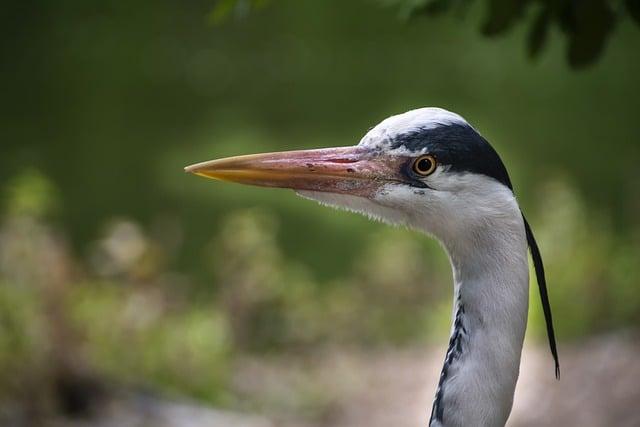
501	15
432	7
633	7
538	33
594	21
566	17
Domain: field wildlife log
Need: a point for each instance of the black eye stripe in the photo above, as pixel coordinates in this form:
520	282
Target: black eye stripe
458	146
411	177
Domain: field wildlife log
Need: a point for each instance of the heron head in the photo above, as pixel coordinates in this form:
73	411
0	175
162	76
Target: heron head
426	168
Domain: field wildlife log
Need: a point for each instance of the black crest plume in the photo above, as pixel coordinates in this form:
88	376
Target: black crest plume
544	296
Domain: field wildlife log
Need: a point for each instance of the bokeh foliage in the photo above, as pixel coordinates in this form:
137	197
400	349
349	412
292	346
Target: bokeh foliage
114	261
586	25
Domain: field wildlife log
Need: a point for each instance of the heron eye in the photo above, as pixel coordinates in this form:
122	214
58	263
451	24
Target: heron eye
424	165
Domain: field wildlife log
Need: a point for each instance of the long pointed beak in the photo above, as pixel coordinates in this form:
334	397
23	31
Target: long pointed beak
348	170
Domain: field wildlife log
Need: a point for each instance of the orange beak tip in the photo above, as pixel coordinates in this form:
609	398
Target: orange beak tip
196	169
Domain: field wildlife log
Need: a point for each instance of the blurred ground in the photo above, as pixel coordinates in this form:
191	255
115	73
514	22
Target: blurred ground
599	387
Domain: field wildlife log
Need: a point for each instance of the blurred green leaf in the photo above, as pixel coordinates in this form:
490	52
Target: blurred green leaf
30	194
224	9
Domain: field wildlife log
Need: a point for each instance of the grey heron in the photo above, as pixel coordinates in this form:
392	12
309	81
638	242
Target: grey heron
430	170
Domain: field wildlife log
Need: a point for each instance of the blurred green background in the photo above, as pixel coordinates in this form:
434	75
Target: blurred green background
117	269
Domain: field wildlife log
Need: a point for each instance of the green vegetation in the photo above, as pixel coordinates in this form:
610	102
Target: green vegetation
116	265
587	25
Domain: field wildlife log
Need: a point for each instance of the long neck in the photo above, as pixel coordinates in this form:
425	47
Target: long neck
489	320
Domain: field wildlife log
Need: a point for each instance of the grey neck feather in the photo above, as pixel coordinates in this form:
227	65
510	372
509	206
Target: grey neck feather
489	320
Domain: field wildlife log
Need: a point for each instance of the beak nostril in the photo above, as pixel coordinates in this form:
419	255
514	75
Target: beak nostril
342	160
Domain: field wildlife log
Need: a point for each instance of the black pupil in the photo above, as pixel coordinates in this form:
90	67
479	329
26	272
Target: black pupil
424	165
